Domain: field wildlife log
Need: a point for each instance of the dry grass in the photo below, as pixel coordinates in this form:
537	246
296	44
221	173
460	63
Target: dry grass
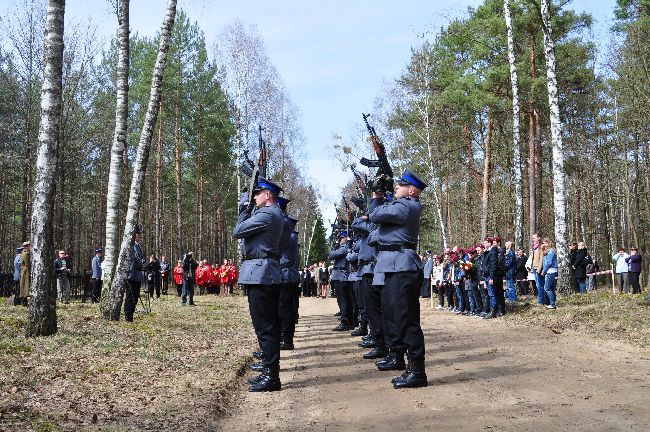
169	370
601	314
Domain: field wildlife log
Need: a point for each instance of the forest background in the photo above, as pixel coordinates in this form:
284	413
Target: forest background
461	141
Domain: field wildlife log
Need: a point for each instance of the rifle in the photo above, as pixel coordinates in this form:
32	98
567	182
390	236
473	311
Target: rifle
264	163
361	200
348	213
247	166
383	182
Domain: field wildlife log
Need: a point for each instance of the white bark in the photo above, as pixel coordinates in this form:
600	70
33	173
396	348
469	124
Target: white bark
519	187
559	200
117	152
142	156
42	313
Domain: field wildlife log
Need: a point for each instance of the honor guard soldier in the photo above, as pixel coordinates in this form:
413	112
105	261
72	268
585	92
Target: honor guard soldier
398	230
371	293
260	229
340	282
358	308
290	279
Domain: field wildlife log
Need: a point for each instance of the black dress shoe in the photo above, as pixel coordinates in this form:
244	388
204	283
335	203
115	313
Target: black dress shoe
286	346
255	379
341	327
404	375
394	361
370	343
367	337
376	353
257	367
258	355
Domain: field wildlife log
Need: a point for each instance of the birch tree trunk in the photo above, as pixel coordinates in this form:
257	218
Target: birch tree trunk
559	200
142	156
117	154
177	165
159	187
42	313
516	156
487	162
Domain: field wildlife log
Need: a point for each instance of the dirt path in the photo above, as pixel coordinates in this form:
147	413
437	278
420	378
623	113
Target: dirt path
483	375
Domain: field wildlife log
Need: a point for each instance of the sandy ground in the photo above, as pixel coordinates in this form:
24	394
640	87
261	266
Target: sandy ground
483	375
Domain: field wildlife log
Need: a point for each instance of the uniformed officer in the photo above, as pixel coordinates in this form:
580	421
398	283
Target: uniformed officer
489	269
260	229
397	259
371	293
135	277
290	279
353	281
340	282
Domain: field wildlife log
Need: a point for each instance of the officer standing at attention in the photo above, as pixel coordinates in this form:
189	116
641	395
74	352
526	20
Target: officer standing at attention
397	259
290	278
340	282
261	228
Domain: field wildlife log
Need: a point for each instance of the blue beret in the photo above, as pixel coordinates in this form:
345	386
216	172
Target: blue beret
343	234
411	179
263	183
283	203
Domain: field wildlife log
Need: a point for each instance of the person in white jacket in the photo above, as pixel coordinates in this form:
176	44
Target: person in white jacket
621	269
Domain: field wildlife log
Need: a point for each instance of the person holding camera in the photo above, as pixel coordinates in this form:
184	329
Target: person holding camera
62	267
189	278
135	276
153	276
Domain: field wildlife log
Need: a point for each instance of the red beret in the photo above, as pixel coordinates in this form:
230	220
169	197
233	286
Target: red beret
497	239
490	239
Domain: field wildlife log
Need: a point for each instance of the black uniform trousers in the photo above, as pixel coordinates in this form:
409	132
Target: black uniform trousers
344	299
286	310
372	299
353	286
97	290
263	303
361	302
400	301
131	298
500	294
426	288
485	298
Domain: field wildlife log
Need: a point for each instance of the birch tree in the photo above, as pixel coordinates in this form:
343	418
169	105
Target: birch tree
117	154
116	289
516	156
42	313
559	200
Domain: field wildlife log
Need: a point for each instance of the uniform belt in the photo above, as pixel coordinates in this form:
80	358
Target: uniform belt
397	247
260	255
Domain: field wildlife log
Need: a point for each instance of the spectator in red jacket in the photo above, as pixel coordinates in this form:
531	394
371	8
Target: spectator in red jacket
178	277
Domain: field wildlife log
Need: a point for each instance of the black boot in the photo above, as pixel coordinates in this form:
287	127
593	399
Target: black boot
258	355
342	327
268	381
405	374
257	367
362	330
379	351
416	377
369	343
393	361
286	345
256	379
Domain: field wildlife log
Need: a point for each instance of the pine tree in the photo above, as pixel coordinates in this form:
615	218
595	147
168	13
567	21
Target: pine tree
318	248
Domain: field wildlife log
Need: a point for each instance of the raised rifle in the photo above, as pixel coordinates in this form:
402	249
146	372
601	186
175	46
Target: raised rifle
362	198
383	181
247	166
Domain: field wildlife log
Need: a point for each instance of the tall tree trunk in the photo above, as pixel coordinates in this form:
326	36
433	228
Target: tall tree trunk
139	169
519	197
177	167
42	313
559	200
487	163
118	148
159	189
199	185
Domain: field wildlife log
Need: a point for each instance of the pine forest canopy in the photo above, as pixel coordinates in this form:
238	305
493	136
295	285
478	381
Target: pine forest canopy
449	117
198	136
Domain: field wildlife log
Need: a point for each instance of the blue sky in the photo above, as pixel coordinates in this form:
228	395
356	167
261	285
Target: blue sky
332	55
